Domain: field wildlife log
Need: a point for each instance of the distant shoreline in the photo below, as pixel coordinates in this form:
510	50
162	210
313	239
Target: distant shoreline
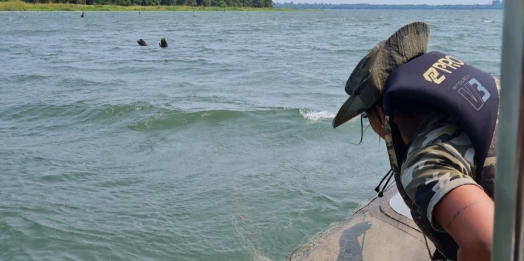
23	6
291	5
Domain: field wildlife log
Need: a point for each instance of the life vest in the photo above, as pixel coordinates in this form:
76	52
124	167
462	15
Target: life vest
468	95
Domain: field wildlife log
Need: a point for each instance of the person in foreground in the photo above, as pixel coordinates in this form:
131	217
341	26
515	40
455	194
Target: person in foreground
438	116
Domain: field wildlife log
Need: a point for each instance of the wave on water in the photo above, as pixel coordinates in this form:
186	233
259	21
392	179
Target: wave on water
169	119
140	115
24	78
316	115
81	81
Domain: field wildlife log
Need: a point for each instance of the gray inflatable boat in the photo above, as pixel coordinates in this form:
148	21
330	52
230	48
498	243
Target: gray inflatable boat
382	230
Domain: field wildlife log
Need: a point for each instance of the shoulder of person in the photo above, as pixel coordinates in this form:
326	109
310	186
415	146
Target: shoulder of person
441	139
438	128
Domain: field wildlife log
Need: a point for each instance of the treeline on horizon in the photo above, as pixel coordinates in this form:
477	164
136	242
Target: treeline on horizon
214	3
292	5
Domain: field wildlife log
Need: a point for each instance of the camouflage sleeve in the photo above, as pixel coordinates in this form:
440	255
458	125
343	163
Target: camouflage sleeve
439	159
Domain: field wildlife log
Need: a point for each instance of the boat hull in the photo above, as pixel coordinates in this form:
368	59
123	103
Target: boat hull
381	230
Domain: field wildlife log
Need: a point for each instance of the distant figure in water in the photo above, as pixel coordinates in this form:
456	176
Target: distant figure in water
82	14
163	43
141	42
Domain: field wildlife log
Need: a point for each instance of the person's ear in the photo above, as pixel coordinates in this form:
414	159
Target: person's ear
380	115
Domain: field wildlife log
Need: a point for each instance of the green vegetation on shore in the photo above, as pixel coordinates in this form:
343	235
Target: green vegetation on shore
113	5
23	6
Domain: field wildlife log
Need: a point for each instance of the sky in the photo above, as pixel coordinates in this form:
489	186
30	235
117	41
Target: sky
391	2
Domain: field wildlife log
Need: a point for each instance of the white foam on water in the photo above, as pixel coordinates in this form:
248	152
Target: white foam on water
316	115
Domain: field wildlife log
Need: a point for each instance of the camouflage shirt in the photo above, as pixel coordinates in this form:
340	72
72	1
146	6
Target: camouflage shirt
439	159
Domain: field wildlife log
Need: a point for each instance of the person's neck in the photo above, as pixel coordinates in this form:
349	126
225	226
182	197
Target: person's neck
408	126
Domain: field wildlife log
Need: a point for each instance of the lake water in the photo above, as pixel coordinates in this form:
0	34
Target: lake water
219	147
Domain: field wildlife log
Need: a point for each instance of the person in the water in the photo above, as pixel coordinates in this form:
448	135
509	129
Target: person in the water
163	43
141	42
438	116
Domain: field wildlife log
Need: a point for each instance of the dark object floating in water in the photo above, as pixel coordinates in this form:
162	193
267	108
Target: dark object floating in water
163	43
141	42
82	14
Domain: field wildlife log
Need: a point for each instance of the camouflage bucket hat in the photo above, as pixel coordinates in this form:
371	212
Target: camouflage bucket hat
368	79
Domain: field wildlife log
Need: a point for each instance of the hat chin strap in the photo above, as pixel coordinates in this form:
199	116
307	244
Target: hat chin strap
388	175
388	137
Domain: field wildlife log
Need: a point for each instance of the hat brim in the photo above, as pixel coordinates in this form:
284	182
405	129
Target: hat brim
346	112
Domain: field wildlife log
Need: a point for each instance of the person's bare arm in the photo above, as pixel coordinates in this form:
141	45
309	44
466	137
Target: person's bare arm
467	214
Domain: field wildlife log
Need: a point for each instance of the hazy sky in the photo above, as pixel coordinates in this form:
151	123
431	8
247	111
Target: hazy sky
390	2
